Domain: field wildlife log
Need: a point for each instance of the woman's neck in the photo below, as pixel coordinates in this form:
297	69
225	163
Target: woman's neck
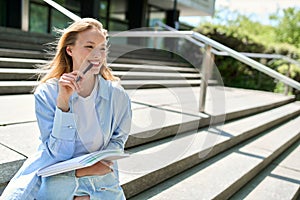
87	86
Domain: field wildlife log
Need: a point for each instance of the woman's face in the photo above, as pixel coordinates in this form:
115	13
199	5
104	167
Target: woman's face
90	47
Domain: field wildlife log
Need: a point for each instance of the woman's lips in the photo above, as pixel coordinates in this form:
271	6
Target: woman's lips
95	63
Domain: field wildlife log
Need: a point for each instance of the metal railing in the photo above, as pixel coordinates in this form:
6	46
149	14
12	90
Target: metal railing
63	10
242	57
211	47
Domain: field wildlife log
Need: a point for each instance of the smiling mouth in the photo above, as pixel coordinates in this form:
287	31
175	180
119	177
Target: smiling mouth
95	63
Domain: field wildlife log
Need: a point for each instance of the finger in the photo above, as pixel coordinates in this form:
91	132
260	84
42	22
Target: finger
108	165
65	83
107	162
71	77
66	80
81	197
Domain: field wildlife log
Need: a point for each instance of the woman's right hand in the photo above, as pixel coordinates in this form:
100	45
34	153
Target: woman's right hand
67	85
100	168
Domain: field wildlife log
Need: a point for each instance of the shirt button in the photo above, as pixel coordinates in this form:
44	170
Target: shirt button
70	126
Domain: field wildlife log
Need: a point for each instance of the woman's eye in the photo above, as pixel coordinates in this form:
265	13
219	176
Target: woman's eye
89	47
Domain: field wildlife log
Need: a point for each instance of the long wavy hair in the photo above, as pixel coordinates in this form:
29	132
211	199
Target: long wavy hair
62	62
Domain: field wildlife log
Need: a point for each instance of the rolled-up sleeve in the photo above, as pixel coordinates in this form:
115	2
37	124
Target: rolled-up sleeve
64	125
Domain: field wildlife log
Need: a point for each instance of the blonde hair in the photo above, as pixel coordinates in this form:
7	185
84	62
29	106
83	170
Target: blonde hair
62	62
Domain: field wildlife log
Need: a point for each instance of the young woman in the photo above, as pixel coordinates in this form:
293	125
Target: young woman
77	114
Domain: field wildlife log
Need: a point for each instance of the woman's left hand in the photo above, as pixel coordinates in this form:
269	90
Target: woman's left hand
100	168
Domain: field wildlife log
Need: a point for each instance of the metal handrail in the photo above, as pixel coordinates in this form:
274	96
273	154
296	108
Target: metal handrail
226	51
273	56
62	10
250	62
223	53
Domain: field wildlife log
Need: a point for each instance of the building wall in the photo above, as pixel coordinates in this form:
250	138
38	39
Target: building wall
116	15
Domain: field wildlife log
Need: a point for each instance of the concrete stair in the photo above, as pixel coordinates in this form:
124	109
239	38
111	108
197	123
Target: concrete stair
280	180
11	38
18	80
186	156
21	53
176	152
205	164
222	176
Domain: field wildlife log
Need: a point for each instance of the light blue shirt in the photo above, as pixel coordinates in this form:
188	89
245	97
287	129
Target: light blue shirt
58	132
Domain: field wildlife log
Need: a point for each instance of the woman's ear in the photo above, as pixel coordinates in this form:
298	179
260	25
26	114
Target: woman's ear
69	51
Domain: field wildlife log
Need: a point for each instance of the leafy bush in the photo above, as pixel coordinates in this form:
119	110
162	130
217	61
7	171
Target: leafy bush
244	35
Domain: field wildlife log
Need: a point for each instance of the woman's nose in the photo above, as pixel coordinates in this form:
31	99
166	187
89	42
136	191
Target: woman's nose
96	53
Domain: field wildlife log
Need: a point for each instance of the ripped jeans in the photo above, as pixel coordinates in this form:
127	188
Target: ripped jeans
66	186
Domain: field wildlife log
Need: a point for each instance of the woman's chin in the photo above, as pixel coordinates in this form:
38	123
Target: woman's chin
95	70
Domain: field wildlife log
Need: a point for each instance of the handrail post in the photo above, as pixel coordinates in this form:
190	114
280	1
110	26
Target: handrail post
155	39
206	70
25	15
287	87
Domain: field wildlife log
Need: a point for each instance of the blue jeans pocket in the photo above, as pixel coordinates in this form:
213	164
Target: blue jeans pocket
107	187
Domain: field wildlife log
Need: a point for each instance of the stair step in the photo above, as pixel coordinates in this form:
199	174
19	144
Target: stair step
17	53
10	62
20	62
26	87
10	163
138	52
36	52
149	57
32	74
146	61
7	52
19	34
17	87
17	39
144	84
150	68
223	175
158	161
8	74
132	75
22	46
280	180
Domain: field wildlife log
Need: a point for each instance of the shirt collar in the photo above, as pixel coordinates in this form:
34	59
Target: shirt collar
103	88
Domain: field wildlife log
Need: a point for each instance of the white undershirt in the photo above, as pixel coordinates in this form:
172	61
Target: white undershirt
88	125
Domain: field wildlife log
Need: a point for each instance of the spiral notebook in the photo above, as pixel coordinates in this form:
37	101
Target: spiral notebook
81	162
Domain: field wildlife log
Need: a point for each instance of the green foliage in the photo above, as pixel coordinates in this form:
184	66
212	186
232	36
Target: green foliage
287	30
244	35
